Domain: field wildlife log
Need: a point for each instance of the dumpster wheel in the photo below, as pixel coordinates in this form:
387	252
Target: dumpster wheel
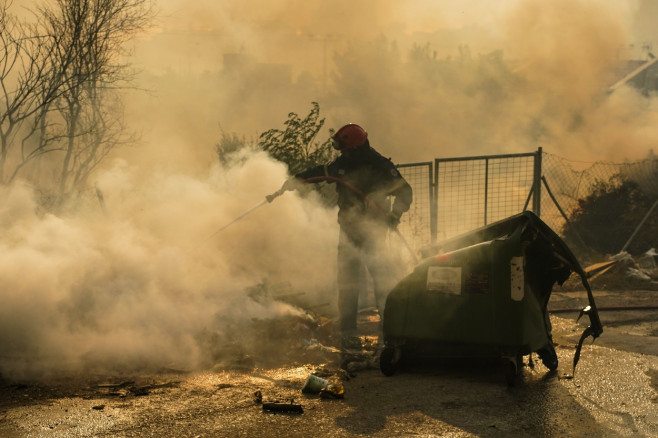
389	360
512	369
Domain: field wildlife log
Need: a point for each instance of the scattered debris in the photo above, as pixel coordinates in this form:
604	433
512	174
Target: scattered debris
333	390
314	384
325	372
598	269
123	392
637	274
314	344
343	375
141	390
355	362
621	271
648	262
289	408
123	389
116	385
258	397
292	334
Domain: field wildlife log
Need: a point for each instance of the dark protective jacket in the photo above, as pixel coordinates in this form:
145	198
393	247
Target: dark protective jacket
363	172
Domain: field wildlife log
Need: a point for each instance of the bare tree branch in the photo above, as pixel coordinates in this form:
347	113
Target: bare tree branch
59	80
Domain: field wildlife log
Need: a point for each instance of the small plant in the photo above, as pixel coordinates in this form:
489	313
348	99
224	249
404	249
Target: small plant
228	144
296	144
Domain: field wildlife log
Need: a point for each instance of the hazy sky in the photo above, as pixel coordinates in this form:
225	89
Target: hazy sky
289	31
565	51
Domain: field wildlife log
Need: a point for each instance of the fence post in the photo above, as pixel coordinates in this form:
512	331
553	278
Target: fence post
536	184
486	189
434	203
644	219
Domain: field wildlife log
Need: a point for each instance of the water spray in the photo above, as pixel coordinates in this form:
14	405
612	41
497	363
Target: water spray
260	204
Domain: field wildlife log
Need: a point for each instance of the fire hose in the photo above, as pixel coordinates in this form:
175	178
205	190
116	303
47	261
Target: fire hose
370	202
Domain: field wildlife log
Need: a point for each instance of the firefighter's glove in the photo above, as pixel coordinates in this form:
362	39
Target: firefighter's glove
393	219
290	184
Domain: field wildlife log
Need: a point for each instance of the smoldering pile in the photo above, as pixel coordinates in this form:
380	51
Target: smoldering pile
300	333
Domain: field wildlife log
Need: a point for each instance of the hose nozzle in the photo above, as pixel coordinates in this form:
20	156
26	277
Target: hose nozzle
273	196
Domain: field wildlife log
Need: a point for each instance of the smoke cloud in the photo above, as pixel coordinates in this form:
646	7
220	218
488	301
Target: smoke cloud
142	286
496	78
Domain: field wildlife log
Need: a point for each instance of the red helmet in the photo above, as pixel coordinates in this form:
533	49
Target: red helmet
349	136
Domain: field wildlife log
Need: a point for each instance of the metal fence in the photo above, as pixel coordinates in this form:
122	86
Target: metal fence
471	192
456	195
416	225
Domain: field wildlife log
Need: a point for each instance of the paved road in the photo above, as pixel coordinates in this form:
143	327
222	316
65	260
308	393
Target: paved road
614	393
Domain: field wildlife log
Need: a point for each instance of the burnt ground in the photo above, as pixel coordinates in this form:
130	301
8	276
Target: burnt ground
613	393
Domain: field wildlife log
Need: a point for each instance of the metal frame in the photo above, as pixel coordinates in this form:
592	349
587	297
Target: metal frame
535	190
430	179
433	169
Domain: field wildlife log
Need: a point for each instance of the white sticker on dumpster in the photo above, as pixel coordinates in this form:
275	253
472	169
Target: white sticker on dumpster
517	282
444	279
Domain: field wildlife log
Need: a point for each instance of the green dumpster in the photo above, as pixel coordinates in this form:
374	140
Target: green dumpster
483	295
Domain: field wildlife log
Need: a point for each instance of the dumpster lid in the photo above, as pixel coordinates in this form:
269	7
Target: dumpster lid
503	229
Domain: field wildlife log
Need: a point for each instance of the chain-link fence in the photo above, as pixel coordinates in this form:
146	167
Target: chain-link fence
569	182
456	195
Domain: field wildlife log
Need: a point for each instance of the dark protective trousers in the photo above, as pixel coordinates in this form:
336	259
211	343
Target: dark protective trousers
365	244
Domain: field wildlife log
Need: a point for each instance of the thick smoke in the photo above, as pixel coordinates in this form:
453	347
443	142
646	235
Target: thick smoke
567	52
505	77
142	286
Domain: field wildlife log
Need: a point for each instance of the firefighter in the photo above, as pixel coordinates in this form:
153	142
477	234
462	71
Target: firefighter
365	183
